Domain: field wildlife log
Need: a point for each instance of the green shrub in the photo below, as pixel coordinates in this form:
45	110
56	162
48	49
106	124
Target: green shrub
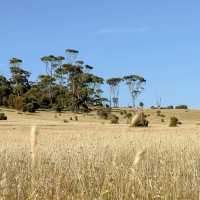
141	104
76	118
65	121
162	115
162	120
158	113
58	108
114	119
128	116
173	122
104	113
3	116
121	113
30	107
18	103
125	112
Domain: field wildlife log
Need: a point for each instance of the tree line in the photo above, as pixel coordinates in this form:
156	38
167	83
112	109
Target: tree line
68	84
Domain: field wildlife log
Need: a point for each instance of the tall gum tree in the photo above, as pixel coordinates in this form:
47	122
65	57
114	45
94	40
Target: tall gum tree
136	85
114	90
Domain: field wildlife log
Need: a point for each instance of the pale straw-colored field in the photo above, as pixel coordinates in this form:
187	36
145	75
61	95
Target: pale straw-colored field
91	159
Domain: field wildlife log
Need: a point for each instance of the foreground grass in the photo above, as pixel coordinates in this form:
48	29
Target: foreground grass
105	162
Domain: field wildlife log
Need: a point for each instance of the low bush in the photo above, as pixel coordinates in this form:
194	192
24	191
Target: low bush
58	108
76	118
162	115
121	112
125	112
30	107
114	119
104	113
158	113
3	116
65	121
128	116
18	103
173	122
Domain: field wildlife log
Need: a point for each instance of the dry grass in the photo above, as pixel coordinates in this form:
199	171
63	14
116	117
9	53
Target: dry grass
88	161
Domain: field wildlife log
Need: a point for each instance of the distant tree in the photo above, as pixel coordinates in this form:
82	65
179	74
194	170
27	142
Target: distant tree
19	77
136	86
141	104
114	90
5	90
53	68
67	85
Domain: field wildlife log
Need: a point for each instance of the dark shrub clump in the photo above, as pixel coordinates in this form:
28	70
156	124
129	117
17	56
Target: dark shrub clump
3	116
121	112
158	113
65	121
173	122
58	108
162	115
104	113
76	118
30	107
114	119
129	116
185	107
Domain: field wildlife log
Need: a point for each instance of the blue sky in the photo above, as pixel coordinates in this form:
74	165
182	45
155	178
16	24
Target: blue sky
156	39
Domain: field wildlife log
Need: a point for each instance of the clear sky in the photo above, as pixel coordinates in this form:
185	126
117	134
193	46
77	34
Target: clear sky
159	39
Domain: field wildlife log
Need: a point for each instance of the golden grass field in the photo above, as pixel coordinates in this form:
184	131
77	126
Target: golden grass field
91	159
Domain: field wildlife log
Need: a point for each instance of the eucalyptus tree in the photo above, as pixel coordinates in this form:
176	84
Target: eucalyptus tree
15	62
53	68
81	85
135	84
59	72
19	77
92	82
43	84
114	90
88	68
5	90
97	82
73	75
71	55
87	89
